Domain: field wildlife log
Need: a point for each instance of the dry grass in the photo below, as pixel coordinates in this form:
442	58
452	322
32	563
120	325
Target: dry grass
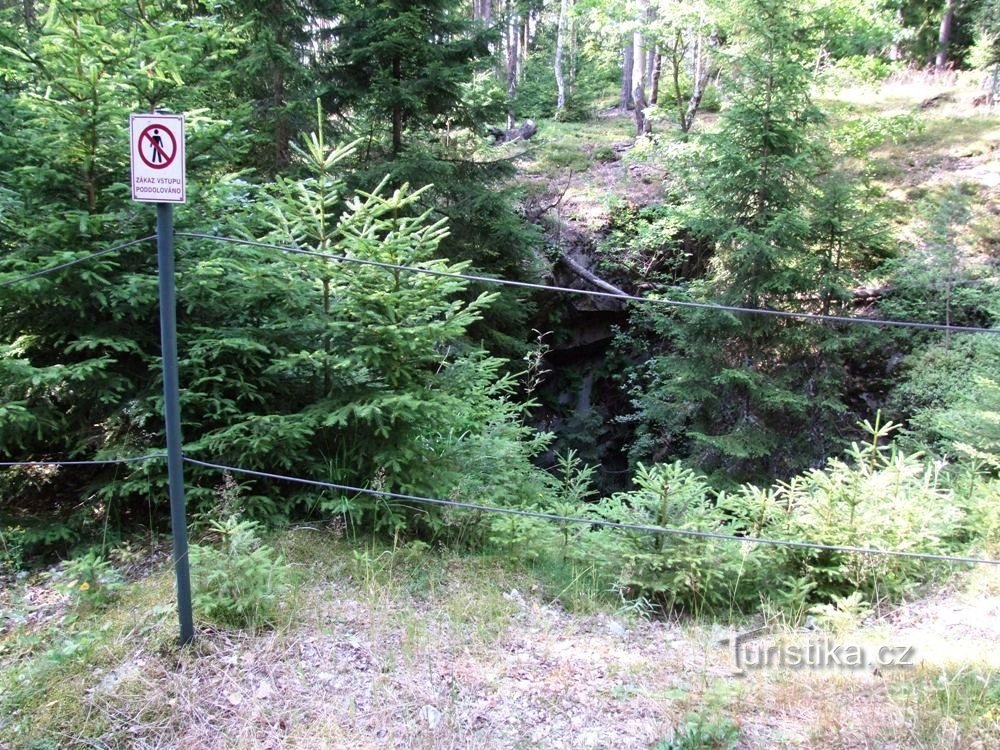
404	649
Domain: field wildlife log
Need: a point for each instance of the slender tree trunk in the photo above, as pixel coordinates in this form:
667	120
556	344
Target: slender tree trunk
282	130
572	56
654	86
560	38
28	7
522	45
944	36
627	60
639	82
702	72
513	35
676	55
397	107
896	49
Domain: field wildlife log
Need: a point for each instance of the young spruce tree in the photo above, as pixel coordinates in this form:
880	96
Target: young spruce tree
746	395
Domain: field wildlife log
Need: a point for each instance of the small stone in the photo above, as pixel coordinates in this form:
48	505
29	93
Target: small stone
430	716
616	629
264	690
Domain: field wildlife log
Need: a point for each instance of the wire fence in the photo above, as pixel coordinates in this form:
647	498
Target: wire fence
440	502
598	522
92	462
74	262
814	317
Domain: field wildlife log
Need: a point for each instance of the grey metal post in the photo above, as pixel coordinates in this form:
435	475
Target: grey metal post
172	415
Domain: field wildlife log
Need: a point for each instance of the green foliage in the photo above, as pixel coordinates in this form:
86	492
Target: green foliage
859	135
701	731
26	538
880	497
857	69
674	572
647	244
843	614
79	348
853	32
403	64
986	50
950	390
355	374
877	497
772	222
596	79
239	580
941	279
89	578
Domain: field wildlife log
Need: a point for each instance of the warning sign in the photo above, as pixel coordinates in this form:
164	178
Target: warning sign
157	158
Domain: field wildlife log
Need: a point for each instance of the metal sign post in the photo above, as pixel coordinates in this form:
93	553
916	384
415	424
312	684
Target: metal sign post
157	149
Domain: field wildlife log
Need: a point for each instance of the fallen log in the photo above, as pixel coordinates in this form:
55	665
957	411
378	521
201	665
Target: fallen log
594	279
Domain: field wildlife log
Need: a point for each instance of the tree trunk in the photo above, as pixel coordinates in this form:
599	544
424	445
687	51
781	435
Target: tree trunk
896	49
944	36
29	14
482	10
281	132
522	45
654	86
701	74
397	107
560	39
573	55
650	63
626	97
639	82
676	57
513	36
279	109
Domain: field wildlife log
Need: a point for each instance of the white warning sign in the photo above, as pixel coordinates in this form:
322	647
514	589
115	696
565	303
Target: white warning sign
157	158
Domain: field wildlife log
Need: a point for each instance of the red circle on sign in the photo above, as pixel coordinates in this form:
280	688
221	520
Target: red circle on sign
157	148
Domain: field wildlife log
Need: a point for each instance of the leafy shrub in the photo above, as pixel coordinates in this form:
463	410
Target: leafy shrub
240	580
90	578
951	393
701	731
604	154
878	497
858	136
858	69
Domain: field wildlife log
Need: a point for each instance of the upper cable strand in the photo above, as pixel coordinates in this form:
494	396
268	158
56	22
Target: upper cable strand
816	317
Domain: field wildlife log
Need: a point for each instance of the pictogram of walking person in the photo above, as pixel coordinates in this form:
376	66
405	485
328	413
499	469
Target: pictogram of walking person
157	143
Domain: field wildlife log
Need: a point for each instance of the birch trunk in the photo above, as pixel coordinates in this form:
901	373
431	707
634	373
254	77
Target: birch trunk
626	98
639	82
513	39
560	38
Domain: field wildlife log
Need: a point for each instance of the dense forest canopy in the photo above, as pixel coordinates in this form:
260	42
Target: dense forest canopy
362	129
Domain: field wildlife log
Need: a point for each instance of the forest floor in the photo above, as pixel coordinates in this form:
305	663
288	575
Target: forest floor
412	649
